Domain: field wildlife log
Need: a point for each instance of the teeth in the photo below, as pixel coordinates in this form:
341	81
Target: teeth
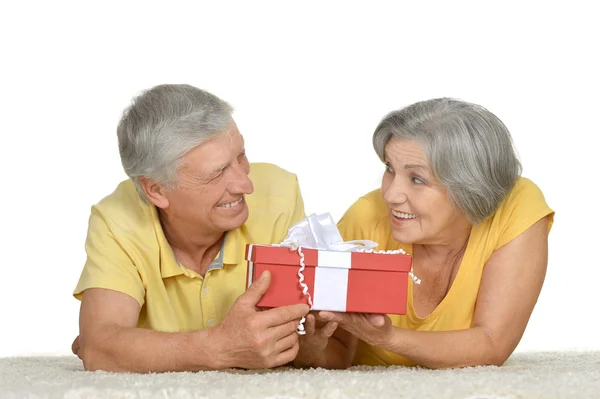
403	215
231	204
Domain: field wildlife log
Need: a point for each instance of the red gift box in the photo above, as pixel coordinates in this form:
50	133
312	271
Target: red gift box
337	281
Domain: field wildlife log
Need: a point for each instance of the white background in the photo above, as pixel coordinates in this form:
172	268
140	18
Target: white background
310	81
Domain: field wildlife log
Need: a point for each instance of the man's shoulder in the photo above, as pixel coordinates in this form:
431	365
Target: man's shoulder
272	182
124	209
275	204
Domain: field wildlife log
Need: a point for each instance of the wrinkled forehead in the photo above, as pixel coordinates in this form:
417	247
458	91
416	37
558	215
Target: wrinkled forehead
215	153
405	151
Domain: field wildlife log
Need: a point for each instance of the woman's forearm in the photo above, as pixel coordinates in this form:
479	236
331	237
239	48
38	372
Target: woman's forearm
445	349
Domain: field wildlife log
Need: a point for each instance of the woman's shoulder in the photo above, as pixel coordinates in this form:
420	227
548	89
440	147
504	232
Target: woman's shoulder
370	206
363	217
524	194
524	205
524	185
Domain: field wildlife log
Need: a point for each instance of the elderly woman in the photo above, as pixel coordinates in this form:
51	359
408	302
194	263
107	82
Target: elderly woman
452	197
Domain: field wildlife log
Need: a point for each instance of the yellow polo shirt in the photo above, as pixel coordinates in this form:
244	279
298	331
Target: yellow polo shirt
128	252
367	219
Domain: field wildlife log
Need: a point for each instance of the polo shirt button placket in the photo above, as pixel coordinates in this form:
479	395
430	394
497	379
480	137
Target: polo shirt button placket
204	301
216	264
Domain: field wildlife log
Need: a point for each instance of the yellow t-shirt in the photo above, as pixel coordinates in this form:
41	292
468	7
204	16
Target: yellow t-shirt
128	252
367	218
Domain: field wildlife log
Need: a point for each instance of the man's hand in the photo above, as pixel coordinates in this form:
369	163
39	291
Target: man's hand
371	328
314	342
247	338
250	338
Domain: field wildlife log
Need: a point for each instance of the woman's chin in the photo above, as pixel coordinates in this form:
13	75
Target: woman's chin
404	238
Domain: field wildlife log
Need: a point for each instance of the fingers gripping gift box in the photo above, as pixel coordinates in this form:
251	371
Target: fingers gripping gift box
314	266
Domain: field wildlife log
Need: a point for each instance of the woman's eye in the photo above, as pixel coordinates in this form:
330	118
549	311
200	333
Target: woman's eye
416	180
388	168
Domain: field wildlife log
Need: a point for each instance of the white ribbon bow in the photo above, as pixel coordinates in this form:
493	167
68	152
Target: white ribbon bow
320	232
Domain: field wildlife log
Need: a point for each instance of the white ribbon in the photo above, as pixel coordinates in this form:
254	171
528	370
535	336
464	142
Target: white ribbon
318	232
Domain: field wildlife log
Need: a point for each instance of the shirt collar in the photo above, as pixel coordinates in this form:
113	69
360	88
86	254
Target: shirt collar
234	241
170	267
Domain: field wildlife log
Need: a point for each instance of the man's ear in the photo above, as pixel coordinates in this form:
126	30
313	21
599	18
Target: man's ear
154	192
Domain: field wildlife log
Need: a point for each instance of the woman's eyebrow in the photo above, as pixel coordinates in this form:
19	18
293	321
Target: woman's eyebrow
415	166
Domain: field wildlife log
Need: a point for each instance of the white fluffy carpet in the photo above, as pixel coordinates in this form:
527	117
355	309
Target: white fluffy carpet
525	375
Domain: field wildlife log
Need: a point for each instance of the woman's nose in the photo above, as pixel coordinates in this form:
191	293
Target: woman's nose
395	194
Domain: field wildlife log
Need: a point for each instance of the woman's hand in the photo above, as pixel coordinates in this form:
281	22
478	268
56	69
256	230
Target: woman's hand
374	329
314	342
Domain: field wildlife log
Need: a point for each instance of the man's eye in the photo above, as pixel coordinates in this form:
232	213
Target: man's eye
219	174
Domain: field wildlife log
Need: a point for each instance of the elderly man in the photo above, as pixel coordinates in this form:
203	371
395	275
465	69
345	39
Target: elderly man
163	287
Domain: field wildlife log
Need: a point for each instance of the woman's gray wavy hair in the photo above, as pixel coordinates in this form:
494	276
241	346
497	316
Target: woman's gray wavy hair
469	150
162	125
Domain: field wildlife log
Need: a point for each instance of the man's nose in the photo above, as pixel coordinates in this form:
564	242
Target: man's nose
240	183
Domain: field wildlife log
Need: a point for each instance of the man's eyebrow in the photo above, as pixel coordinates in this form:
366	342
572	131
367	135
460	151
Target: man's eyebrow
218	170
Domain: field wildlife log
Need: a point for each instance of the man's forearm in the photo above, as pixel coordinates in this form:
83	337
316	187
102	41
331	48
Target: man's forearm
445	349
141	351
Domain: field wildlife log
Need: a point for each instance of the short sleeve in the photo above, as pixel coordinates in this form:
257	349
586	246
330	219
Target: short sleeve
524	206
108	264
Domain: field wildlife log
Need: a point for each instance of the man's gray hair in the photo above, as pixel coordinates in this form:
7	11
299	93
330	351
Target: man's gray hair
469	150
161	125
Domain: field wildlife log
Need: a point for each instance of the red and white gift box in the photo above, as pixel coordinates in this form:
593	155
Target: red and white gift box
368	282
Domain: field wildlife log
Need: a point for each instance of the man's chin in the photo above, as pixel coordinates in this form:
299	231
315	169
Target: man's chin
235	222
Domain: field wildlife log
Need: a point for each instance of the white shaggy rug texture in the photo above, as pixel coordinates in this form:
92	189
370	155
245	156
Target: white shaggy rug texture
525	375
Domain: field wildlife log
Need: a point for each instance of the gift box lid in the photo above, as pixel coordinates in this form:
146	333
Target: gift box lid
394	262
